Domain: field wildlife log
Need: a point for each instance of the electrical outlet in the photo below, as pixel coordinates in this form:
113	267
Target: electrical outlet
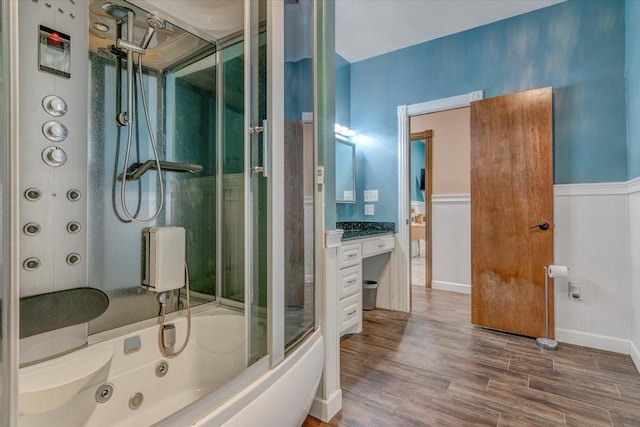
369	209
575	292
370	195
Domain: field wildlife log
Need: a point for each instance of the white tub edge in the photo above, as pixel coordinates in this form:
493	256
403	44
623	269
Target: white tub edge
272	398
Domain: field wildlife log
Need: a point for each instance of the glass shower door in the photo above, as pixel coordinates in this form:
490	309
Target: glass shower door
258	175
299	158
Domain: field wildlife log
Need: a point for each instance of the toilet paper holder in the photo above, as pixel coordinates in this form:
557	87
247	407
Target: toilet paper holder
554	272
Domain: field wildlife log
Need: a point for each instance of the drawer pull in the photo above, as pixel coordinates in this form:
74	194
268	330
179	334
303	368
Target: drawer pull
351	313
352	281
351	255
382	245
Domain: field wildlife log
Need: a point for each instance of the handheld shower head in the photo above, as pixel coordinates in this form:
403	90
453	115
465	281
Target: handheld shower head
155	23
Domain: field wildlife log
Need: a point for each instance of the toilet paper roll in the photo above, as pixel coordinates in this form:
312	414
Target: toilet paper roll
558	271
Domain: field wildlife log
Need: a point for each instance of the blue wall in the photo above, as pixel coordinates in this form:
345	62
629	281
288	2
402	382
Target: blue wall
298	89
343	91
577	47
633	87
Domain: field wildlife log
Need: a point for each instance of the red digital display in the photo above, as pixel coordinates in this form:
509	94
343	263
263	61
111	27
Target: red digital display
55	39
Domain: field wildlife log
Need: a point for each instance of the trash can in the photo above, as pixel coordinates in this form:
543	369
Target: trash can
369	294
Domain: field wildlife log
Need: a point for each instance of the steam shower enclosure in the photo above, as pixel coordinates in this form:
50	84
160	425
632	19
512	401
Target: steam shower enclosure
161	256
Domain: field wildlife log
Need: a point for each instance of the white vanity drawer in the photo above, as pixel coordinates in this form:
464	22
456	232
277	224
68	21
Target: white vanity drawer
349	281
349	255
349	312
378	246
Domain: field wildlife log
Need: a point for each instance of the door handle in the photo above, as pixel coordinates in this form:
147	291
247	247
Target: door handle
265	169
542	225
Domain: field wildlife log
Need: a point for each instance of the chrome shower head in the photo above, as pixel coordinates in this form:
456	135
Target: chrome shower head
119	13
156	22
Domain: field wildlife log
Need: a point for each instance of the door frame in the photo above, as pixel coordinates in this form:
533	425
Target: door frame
427	136
401	287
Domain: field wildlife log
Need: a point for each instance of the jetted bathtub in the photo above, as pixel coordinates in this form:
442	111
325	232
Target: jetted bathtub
127	382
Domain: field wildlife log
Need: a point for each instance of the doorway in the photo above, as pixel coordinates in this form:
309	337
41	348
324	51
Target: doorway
401	288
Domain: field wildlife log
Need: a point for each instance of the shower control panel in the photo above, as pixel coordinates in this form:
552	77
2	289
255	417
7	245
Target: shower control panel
54	53
53	116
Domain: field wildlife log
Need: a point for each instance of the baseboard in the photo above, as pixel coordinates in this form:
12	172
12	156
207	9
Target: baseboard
451	287
323	409
635	354
601	342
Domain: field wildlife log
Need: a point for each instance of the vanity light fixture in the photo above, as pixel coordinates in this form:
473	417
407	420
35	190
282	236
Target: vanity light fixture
344	131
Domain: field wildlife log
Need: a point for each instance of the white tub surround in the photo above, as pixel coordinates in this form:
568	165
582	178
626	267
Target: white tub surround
281	397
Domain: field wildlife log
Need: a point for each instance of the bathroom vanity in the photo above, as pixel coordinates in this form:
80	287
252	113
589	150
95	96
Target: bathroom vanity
362	254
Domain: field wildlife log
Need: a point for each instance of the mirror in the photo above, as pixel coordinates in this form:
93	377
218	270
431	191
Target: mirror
417	170
345	171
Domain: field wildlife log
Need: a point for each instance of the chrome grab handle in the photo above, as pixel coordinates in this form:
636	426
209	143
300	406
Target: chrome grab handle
265	169
266	149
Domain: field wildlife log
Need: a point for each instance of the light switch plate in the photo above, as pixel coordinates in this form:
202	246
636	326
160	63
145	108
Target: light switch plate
369	209
370	195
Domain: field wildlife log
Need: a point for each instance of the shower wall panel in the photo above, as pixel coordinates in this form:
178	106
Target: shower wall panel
182	111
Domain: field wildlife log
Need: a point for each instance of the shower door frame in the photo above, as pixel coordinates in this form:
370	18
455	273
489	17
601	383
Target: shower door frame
10	215
275	182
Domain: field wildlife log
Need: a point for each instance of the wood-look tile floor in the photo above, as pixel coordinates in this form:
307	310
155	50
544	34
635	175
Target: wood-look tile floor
432	367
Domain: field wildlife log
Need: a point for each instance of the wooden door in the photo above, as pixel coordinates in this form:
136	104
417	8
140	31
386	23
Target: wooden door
511	193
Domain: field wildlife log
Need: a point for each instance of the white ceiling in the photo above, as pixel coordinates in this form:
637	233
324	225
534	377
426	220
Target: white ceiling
367	28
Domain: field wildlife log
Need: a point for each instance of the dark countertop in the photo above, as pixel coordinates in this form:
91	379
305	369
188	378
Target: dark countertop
359	229
356	234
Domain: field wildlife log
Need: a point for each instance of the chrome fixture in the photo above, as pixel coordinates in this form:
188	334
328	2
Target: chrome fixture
73	227
136	170
74	195
104	393
54	156
31	229
162	368
124	15
546	343
119	13
32	194
135	401
31	264
155	23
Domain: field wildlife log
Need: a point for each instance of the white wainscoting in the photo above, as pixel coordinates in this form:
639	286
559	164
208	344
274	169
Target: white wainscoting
451	229
591	237
596	234
634	280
